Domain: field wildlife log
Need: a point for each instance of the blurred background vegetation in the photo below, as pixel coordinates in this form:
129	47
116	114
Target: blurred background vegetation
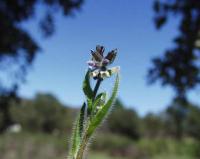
40	127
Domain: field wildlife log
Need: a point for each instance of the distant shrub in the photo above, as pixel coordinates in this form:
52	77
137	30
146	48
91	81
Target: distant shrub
117	145
44	113
124	121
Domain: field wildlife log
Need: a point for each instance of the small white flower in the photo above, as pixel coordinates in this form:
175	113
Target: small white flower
114	70
104	74
94	73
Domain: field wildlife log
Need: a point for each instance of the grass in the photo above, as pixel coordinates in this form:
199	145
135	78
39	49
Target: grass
38	146
35	146
101	155
173	149
173	157
43	146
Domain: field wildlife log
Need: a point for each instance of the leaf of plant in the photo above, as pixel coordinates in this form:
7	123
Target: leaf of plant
100	100
88	92
81	119
75	140
89	105
77	132
86	86
102	113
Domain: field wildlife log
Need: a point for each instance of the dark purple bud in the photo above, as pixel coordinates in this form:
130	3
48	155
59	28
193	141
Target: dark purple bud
97	56
111	55
100	49
105	62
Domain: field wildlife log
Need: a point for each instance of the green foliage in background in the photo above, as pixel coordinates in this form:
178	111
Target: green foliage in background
105	146
124	121
34	114
44	113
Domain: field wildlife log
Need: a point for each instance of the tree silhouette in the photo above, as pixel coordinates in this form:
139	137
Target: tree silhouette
17	48
179	67
177	114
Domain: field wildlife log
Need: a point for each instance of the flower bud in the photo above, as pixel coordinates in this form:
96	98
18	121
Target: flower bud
100	49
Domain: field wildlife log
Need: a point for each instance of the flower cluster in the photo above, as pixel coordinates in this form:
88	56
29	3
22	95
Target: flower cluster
98	64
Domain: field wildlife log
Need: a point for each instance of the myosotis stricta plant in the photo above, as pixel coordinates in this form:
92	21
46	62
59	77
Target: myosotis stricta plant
96	106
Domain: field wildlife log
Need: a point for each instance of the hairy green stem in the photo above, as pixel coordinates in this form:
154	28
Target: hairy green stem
85	137
83	146
96	88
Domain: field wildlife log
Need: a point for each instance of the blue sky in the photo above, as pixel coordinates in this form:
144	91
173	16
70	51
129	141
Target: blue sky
123	24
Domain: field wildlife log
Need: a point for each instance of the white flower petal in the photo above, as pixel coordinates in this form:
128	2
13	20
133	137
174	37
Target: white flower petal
104	74
94	73
114	70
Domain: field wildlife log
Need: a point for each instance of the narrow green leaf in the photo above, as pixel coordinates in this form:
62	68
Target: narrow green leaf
96	121
99	101
81	119
88	92
77	132
89	106
86	86
75	140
